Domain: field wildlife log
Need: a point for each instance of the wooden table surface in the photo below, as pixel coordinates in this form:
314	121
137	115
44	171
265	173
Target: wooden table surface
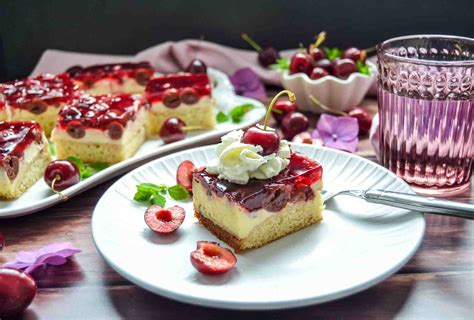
437	283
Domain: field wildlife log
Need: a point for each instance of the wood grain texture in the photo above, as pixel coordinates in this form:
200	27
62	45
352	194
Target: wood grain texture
437	283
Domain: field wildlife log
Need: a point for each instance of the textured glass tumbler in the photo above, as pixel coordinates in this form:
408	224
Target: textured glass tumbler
426	109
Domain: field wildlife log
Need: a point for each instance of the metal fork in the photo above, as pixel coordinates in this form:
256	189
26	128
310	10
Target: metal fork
408	201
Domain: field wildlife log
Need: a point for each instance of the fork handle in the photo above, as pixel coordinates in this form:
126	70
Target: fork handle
420	203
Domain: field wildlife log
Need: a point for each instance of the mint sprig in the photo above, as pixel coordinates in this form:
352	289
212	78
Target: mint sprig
151	193
87	170
363	67
281	64
236	114
222	117
333	53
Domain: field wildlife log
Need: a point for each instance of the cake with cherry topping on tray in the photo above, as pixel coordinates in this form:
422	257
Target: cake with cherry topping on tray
23	157
108	128
257	190
113	78
185	96
38	98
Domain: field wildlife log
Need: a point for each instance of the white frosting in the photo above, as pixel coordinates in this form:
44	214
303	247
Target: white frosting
238	162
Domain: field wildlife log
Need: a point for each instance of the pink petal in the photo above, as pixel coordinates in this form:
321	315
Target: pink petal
26	256
247	81
15	265
326	124
52	259
346	128
350	146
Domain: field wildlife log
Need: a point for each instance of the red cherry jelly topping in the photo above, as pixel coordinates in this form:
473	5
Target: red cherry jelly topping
157	87
46	88
291	185
16	136
101	112
141	71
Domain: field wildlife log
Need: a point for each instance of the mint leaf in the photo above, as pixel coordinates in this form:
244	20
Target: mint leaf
142	196
151	188
51	149
239	112
87	170
333	53
178	192
363	67
222	117
281	64
159	200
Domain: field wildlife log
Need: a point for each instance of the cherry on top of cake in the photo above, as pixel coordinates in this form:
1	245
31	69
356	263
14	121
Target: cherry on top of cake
293	183
184	85
98	112
16	136
141	71
45	89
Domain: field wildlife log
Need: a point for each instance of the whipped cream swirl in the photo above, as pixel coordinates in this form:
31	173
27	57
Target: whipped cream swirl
238	162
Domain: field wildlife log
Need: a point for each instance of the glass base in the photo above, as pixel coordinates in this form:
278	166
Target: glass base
441	192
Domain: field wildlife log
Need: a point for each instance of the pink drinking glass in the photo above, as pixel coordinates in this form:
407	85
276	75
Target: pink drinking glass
426	108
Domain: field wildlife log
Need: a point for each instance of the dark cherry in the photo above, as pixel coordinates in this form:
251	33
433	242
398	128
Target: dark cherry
17	291
196	66
324	64
316	53
72	71
318	73
363	118
294	123
342	68
2	241
189	96
268	139
115	130
171	98
64	173
300	62
11	165
37	107
281	108
172	130
268	56
354	54
75	129
142	76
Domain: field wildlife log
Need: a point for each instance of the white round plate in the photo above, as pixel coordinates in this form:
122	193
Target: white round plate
39	196
355	246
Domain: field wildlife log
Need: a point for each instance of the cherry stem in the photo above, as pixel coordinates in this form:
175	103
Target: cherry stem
291	96
325	107
251	42
58	178
320	39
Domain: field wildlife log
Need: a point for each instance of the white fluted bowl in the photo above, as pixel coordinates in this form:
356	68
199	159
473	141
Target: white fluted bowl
338	94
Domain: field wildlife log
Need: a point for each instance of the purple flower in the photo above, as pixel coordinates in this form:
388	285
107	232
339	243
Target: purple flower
247	83
338	132
54	254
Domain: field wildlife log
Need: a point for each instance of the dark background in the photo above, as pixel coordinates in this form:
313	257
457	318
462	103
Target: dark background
27	28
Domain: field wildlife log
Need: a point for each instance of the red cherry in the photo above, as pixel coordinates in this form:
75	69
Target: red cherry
184	175
64	173
164	221
354	54
283	107
300	62
268	139
293	124
342	68
172	130
210	258
324	64
363	118
196	66
316	53
268	56
2	241
17	291
318	73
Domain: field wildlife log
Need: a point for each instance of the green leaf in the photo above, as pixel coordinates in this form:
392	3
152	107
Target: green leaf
99	166
281	64
77	161
159	200
52	149
239	112
87	170
178	192
363	67
151	188
142	196
333	53
222	117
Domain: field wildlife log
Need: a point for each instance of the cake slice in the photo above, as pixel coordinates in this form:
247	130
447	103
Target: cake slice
250	198
185	96
23	157
101	129
113	78
38	98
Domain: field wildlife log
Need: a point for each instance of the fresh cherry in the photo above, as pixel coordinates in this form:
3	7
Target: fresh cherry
268	139
293	124
184	175
363	118
172	130
354	54
196	66
210	258
17	291
266	56
318	73
2	241
325	64
300	62
164	221
61	174
314	51
342	68
281	108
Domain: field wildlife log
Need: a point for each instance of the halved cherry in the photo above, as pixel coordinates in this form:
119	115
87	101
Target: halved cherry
184	175
115	130
75	129
164	221
210	258
11	165
37	107
142	76
189	96
171	98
